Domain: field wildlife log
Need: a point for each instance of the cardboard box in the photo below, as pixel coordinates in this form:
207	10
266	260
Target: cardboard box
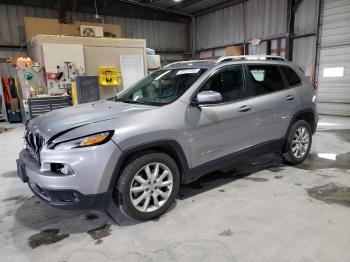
35	26
234	50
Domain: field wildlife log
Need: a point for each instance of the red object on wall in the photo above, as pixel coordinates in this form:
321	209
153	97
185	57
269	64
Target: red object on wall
51	76
256	41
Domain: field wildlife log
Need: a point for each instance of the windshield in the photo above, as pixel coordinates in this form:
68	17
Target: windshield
161	87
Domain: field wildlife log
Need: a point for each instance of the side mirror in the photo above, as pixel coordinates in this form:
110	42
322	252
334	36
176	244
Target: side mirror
208	97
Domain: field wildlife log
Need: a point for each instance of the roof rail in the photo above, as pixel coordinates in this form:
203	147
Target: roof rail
181	62
250	57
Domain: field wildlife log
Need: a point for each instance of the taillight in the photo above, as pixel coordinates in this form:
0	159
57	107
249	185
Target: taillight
315	87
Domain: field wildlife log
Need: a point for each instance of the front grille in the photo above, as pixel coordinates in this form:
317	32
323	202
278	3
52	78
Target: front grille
35	143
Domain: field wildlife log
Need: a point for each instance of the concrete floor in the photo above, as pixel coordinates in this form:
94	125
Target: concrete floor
263	211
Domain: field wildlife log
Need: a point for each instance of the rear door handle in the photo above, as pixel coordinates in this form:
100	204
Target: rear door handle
244	108
289	97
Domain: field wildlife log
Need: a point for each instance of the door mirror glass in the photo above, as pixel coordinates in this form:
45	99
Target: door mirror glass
208	97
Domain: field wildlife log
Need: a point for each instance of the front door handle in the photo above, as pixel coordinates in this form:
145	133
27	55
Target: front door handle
244	108
289	97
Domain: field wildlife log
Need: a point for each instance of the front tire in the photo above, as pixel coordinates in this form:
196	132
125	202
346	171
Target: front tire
148	185
298	144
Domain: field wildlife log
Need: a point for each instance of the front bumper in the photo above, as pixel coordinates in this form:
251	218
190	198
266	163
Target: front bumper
86	188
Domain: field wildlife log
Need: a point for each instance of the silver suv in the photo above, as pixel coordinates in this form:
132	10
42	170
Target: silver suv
179	123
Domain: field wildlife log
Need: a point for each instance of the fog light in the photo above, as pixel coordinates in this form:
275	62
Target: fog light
62	169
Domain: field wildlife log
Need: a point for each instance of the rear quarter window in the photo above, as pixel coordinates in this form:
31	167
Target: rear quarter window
292	77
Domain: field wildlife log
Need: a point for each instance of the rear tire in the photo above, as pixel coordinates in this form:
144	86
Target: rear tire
147	185
298	144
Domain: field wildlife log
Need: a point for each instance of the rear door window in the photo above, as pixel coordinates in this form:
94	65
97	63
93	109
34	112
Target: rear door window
265	79
292	77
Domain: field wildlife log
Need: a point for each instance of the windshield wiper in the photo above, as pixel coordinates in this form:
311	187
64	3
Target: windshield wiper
131	101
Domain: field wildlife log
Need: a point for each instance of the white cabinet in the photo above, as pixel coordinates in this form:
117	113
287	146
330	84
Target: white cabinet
85	55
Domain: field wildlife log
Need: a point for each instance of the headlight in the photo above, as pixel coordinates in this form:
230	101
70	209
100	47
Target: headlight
92	140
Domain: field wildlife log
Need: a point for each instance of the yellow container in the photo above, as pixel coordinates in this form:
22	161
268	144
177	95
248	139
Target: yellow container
74	93
109	76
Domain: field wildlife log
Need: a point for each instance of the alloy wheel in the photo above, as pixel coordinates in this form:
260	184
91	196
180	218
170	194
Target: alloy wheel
151	187
300	142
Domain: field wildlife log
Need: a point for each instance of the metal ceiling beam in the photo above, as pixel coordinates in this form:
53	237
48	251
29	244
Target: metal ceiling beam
156	7
72	11
217	7
289	30
107	7
184	4
61	15
292	7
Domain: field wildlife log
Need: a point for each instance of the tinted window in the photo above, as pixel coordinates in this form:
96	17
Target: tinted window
291	76
266	79
228	82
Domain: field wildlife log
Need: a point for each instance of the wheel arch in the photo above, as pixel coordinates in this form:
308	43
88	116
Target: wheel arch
308	115
170	147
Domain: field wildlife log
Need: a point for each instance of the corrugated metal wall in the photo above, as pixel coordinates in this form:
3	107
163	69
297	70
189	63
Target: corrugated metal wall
336	23
304	52
265	19
160	35
335	53
5	69
12	24
306	19
257	49
219	28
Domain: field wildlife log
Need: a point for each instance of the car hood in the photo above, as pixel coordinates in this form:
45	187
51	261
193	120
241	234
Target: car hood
60	120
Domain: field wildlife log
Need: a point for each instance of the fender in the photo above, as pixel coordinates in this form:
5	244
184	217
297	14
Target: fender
303	111
169	146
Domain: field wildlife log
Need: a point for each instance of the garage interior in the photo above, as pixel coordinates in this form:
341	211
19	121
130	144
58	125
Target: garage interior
51	51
